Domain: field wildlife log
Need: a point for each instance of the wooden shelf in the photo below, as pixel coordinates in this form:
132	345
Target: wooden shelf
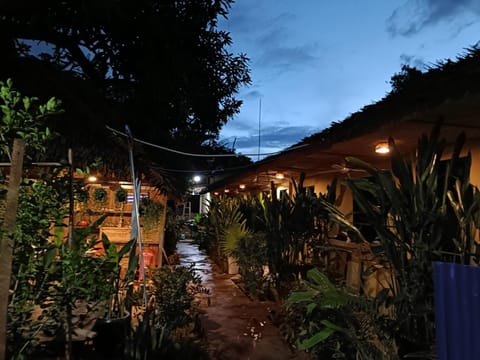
121	235
112	211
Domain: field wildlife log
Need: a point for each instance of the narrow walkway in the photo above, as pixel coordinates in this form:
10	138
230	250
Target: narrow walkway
234	326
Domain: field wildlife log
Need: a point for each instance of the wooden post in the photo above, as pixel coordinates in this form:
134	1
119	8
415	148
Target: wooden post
354	272
161	244
6	241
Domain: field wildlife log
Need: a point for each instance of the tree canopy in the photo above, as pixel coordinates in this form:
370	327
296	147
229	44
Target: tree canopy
162	66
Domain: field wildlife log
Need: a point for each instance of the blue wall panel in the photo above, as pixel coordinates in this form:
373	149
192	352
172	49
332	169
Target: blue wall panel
457	311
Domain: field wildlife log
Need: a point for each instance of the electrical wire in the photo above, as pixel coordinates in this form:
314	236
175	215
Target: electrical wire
222	170
198	155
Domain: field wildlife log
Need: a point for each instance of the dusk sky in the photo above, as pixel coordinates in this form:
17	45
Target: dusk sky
314	62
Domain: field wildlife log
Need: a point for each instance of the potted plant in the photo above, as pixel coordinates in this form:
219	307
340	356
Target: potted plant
114	327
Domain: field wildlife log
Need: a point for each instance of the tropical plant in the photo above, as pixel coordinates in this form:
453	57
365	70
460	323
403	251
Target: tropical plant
410	213
329	323
223	213
118	304
296	227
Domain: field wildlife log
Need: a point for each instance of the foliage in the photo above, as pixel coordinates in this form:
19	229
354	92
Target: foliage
172	232
234	231
82	195
222	213
121	195
296	226
22	117
405	79
151	212
39	208
100	195
251	256
180	83
416	213
293	229
174	310
329	323
119	288
50	279
77	274
174	294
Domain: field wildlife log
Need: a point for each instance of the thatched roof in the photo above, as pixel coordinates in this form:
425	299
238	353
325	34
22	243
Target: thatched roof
419	91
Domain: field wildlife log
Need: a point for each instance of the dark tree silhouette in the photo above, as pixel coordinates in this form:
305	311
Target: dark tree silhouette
162	66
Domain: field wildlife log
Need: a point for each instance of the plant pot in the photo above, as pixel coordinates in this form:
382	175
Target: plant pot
111	337
232	266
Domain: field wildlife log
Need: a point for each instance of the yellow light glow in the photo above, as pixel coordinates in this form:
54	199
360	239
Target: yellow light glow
241	186
382	148
279	175
92	178
227	190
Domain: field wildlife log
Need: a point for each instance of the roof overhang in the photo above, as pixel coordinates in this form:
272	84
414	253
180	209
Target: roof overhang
326	158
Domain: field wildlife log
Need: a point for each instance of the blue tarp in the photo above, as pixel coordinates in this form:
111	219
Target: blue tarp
457	311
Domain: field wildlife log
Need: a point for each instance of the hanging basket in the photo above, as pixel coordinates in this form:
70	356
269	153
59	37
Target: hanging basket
100	195
120	195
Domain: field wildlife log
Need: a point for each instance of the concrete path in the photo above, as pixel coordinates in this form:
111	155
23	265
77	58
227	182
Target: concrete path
234	326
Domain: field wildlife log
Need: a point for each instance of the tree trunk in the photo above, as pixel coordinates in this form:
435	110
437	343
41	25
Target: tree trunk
6	241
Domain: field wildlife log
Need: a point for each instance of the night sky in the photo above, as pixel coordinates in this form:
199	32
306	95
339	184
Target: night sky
314	62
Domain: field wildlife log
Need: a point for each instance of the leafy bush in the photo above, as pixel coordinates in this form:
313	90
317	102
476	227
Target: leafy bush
172	232
174	291
251	256
151	213
329	323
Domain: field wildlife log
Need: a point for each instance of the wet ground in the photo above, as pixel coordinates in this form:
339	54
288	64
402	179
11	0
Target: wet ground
234	326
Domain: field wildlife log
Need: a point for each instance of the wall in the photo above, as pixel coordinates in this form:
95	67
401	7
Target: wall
475	169
320	185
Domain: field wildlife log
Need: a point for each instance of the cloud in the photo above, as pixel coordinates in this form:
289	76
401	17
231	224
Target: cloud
252	94
272	40
276	51
415	15
271	139
282	58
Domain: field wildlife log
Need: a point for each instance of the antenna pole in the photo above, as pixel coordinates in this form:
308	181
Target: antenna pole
259	121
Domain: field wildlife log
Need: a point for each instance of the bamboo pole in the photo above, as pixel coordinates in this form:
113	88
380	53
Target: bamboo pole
7	241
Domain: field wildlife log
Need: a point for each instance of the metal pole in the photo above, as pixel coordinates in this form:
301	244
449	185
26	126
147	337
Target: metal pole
71	204
136	200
